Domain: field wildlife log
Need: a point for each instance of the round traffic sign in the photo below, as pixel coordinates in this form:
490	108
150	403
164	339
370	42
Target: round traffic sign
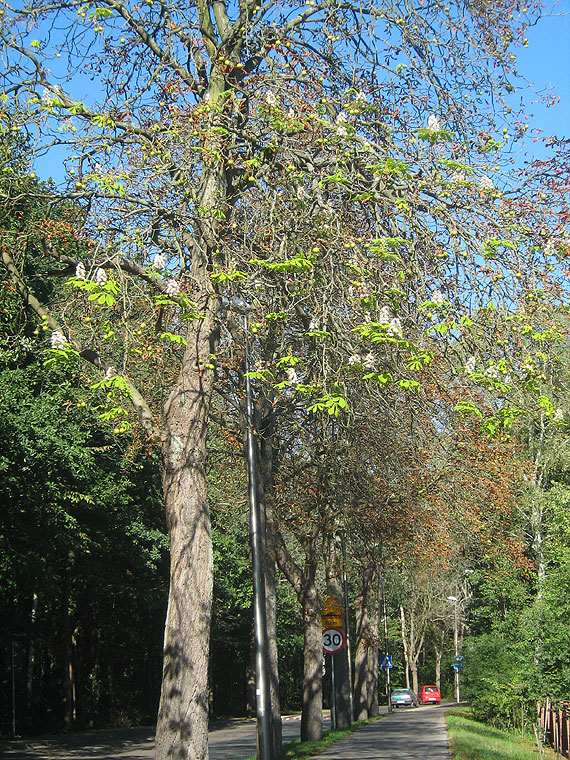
333	640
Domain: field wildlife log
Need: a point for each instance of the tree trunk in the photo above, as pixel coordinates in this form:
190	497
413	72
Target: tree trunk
405	647
265	427
182	727
312	714
372	661
68	669
361	664
414	672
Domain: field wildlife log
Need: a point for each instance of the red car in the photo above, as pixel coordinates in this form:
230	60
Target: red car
429	694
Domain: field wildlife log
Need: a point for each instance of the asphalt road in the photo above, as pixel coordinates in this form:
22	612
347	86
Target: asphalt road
407	734
232	740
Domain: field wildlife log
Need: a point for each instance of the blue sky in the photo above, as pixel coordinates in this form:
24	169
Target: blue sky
546	64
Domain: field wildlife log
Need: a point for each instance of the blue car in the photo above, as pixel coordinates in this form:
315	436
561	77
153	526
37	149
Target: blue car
404	697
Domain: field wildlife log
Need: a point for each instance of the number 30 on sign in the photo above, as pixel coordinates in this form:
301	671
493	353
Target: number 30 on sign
333	640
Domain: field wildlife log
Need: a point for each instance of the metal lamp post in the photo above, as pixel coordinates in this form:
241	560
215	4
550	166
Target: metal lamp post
263	703
456	638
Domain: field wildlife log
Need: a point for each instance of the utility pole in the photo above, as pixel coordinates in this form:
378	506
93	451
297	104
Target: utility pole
456	665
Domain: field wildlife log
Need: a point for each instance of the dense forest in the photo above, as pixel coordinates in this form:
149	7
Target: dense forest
328	205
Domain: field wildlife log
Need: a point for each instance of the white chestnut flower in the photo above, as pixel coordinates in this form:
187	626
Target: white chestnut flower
486	183
159	261
342	118
360	98
437	297
270	99
492	373
457	177
385	316
354	359
470	365
292	378
433	123
395	328
110	372
341	131
47	97
558	415
100	276
314	324
290	114
368	361
80	272
549	247
57	339
173	288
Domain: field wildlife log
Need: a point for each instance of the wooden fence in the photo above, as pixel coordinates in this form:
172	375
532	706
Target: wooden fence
554	725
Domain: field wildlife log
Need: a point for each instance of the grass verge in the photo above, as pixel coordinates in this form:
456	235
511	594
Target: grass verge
471	740
298	750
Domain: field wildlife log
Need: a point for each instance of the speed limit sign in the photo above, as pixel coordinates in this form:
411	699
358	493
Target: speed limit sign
333	640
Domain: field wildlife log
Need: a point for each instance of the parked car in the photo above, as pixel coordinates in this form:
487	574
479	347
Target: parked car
429	694
404	697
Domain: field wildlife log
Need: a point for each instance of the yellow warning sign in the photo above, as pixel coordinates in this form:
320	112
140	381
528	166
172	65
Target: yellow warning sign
331	614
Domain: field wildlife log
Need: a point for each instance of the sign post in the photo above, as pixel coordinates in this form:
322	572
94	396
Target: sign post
333	641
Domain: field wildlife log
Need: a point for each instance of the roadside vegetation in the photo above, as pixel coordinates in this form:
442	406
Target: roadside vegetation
471	740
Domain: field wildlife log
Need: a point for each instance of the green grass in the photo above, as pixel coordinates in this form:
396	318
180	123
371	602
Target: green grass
476	741
298	750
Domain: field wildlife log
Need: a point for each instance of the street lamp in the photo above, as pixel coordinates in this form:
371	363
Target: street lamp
263	703
456	638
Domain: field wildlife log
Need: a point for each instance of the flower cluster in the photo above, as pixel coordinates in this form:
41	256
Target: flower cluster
470	365
395	328
292	378
173	288
433	124
492	373
369	360
159	261
100	276
558	415
385	316
80	272
486	183
354	359
437	297
341	120
58	340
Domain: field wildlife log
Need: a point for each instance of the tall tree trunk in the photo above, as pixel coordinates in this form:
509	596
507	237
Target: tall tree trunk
266	428
364	640
312	714
182	727
68	669
373	660
405	646
31	655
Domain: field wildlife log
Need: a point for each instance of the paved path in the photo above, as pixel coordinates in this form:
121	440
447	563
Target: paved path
407	734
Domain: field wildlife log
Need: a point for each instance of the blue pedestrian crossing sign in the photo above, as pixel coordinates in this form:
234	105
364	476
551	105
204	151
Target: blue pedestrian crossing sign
386	661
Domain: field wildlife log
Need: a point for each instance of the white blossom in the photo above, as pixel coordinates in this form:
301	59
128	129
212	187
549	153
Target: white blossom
558	415
172	288
492	373
57	339
159	261
354	359
100	276
385	316
314	324
470	365
341	131
342	118
290	114
437	297
368	361
549	247
395	328
110	372
47	97
360	97
270	99
80	272
292	378
486	183
433	123
457	177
